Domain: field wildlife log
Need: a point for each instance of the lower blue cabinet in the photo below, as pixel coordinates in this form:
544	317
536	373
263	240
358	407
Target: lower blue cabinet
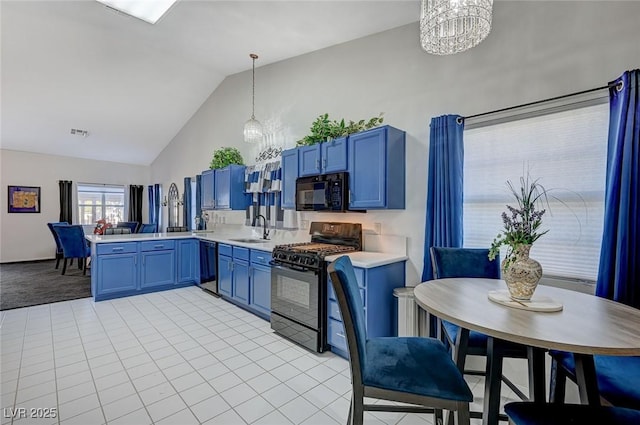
121	269
376	289
225	279
260	283
115	273
244	277
158	268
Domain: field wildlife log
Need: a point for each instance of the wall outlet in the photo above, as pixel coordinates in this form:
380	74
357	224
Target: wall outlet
377	227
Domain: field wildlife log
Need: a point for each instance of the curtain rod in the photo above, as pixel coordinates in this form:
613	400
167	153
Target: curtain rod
618	86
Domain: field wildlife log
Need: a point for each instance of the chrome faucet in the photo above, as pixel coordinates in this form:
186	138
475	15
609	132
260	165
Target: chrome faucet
265	232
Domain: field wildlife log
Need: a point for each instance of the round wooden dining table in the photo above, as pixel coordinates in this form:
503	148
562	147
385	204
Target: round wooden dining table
586	325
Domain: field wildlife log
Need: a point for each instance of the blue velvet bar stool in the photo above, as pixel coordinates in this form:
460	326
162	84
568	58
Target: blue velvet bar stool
413	370
133	225
59	253
618	378
148	228
74	245
569	414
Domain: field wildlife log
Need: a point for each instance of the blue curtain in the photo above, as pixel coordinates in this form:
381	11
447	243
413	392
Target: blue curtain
152	203
619	272
186	206
157	219
444	187
198	201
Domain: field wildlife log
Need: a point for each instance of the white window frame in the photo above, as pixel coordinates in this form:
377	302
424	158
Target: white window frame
103	189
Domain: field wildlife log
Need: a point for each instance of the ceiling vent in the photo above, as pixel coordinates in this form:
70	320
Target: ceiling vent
78	132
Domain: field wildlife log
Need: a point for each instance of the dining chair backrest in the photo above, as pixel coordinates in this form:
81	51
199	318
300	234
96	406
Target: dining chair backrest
148	228
72	240
349	300
55	235
117	231
463	262
176	229
133	225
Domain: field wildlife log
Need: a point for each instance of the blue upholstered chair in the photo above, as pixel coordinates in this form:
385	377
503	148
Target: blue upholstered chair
74	245
413	370
133	225
471	262
618	378
567	414
117	231
59	254
148	228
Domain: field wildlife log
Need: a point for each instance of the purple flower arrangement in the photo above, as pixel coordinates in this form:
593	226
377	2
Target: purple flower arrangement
521	223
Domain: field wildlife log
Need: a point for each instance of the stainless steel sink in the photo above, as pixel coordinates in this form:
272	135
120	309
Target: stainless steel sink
250	240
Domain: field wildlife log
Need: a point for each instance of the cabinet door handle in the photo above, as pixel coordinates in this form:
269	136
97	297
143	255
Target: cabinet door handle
135	261
158	246
260	258
143	258
324	164
340	334
118	249
317	164
349	196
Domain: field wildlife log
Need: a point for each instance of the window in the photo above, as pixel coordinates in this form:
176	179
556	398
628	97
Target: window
567	151
97	201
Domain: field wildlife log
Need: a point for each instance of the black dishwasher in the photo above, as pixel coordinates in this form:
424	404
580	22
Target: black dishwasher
208	262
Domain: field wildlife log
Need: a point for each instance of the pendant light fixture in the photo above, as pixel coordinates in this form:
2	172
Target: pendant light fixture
253	128
453	26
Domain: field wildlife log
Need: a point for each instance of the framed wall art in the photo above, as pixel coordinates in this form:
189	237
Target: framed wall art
24	199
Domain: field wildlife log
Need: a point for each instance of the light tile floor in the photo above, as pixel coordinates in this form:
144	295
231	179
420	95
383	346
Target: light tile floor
176	357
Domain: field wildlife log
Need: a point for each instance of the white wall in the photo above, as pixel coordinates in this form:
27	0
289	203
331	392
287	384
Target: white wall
536	50
26	236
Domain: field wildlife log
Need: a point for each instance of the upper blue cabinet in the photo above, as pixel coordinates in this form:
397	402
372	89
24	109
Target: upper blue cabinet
377	169
223	189
289	176
322	158
207	188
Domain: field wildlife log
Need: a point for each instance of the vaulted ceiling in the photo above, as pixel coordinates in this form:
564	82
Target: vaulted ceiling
131	85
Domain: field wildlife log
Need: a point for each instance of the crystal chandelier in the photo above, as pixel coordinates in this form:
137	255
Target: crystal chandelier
253	128
453	26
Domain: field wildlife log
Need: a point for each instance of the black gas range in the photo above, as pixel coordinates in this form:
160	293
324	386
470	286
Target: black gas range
299	282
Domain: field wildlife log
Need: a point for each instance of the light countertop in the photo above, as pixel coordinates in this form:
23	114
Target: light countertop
363	259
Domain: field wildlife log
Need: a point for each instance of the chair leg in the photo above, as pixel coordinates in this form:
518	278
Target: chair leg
463	416
64	266
558	383
491	407
58	257
358	409
437	414
350	415
84	267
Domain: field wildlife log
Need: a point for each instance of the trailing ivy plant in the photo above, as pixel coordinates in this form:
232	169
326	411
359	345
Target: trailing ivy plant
323	128
225	156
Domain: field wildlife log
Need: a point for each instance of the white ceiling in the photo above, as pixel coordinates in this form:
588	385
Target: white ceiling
132	85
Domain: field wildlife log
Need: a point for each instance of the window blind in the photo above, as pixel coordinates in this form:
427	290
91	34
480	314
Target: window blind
566	151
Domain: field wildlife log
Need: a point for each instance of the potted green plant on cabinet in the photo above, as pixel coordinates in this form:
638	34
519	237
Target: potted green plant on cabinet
225	156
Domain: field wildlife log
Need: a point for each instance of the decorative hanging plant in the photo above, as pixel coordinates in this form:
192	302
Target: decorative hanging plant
323	128
225	156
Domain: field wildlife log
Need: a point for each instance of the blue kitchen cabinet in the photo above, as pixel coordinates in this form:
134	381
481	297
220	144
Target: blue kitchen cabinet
233	273
115	272
377	169
322	158
260	283
229	188
225	276
188	261
289	176
376	289
240	272
207	190
121	269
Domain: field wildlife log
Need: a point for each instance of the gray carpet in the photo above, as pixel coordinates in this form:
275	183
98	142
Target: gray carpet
38	282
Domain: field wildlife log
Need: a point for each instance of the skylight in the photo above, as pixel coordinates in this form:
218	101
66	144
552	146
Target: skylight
147	10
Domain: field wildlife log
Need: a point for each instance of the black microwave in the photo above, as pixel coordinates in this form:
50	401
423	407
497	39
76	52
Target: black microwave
326	192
